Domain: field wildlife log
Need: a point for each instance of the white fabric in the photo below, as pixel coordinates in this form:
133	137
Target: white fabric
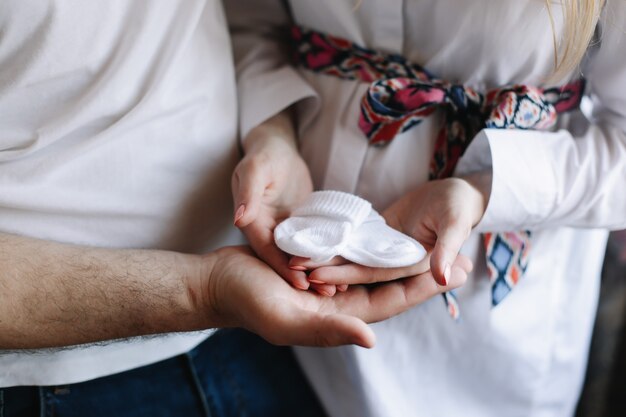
526	357
321	227
117	129
332	223
377	245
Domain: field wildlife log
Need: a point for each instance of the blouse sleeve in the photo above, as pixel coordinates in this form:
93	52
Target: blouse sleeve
547	179
267	82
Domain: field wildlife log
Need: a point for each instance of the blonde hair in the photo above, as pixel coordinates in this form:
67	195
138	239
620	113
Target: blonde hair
580	18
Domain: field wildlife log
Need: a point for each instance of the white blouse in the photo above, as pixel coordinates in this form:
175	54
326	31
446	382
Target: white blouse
527	356
118	128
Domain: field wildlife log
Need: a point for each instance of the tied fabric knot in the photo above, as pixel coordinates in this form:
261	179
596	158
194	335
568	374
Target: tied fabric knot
393	106
402	94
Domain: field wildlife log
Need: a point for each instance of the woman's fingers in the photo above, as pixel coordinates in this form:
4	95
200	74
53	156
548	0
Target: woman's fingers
261	239
358	274
324	289
341	273
464	263
303	264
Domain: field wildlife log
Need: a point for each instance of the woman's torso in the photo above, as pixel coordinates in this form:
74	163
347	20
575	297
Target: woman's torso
527	356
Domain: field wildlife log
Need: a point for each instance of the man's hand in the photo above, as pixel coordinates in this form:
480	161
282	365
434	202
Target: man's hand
243	291
55	294
269	181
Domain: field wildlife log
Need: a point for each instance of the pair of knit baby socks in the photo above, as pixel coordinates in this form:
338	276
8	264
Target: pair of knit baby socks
332	223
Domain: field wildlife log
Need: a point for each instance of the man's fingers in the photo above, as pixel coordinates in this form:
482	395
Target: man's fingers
336	330
358	274
411	291
302	327
449	241
248	185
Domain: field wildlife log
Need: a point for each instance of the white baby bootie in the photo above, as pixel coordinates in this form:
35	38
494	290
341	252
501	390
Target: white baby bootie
321	227
376	244
332	223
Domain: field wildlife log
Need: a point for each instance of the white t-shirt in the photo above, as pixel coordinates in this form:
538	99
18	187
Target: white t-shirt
117	129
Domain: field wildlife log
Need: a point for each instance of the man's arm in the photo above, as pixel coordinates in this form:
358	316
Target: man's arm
56	294
59	295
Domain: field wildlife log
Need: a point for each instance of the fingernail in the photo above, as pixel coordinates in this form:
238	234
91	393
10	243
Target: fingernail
342	288
316	281
297	267
446	274
301	285
240	212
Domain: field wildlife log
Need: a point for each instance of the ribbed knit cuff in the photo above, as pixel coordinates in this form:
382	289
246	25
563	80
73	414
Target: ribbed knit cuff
336	205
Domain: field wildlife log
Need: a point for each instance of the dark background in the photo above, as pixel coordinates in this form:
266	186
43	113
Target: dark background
604	392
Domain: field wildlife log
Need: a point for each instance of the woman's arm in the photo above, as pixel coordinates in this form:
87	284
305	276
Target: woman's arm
548	179
269	181
272	174
266	81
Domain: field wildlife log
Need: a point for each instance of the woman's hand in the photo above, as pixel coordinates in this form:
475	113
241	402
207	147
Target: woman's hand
440	215
339	273
242	291
267	184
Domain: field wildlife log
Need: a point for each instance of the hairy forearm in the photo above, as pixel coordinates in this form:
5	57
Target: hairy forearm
57	295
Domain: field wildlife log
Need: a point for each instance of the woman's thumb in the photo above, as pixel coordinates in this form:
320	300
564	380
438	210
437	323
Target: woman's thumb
445	252
248	187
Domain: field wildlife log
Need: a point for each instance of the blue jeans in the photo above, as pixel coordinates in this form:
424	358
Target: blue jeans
233	373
